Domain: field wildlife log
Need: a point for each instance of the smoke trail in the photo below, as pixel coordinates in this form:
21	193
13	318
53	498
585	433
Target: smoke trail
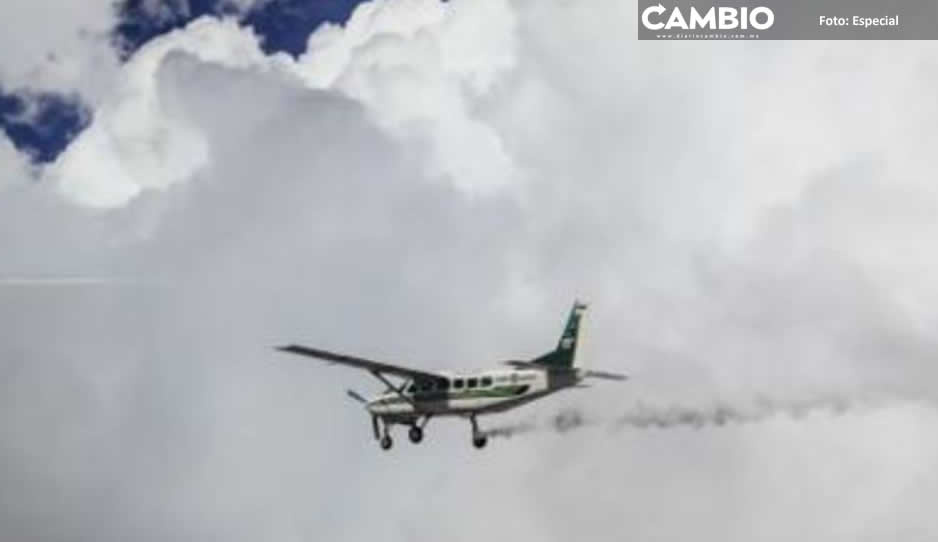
568	420
510	430
563	421
648	416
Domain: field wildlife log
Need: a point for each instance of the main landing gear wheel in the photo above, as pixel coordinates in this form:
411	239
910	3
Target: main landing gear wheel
415	434
386	442
478	437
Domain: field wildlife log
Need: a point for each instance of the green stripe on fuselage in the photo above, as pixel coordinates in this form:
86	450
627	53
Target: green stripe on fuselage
496	392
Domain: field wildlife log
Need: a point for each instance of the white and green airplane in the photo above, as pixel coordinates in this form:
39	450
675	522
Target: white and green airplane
423	394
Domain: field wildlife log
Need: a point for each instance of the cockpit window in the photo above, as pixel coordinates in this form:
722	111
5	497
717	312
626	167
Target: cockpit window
426	386
412	388
444	384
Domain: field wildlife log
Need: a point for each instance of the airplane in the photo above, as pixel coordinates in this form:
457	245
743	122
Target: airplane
426	394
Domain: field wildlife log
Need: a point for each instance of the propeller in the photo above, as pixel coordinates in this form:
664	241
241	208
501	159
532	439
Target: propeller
354	395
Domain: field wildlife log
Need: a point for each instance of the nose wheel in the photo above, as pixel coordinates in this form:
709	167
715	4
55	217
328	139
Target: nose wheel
479	440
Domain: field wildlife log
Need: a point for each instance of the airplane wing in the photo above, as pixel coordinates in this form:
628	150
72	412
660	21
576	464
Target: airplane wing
360	363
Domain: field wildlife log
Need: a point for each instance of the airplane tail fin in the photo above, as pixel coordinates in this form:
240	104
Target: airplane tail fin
564	356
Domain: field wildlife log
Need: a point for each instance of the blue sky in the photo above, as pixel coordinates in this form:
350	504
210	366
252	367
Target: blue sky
42	125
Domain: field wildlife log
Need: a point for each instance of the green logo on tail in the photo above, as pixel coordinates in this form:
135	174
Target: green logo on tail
565	354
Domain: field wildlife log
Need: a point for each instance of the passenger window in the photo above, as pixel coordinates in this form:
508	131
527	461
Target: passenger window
486	381
472	382
457	384
444	385
426	386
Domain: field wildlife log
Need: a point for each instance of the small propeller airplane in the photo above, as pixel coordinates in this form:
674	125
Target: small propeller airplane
423	394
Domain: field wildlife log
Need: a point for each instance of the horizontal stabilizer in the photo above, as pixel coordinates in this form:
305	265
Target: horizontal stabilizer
604	375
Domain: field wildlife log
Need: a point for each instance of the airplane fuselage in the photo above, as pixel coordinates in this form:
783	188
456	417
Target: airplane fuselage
463	395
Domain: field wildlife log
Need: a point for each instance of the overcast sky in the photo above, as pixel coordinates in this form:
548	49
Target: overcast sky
753	224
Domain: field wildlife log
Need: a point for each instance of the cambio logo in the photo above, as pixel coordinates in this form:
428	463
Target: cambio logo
715	18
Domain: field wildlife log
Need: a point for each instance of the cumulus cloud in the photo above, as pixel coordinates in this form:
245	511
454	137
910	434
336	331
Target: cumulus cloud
412	64
423	68
14	164
749	220
58	45
137	141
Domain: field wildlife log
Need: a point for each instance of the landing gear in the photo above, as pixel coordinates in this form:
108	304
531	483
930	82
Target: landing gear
386	442
479	439
416	429
383	438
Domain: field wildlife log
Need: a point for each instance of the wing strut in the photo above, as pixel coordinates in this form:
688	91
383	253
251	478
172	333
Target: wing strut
399	391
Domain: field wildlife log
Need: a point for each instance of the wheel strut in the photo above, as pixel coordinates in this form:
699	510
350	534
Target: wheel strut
479	439
386	441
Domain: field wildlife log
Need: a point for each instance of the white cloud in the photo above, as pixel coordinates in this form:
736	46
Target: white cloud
414	67
747	219
57	45
137	141
13	164
422	68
